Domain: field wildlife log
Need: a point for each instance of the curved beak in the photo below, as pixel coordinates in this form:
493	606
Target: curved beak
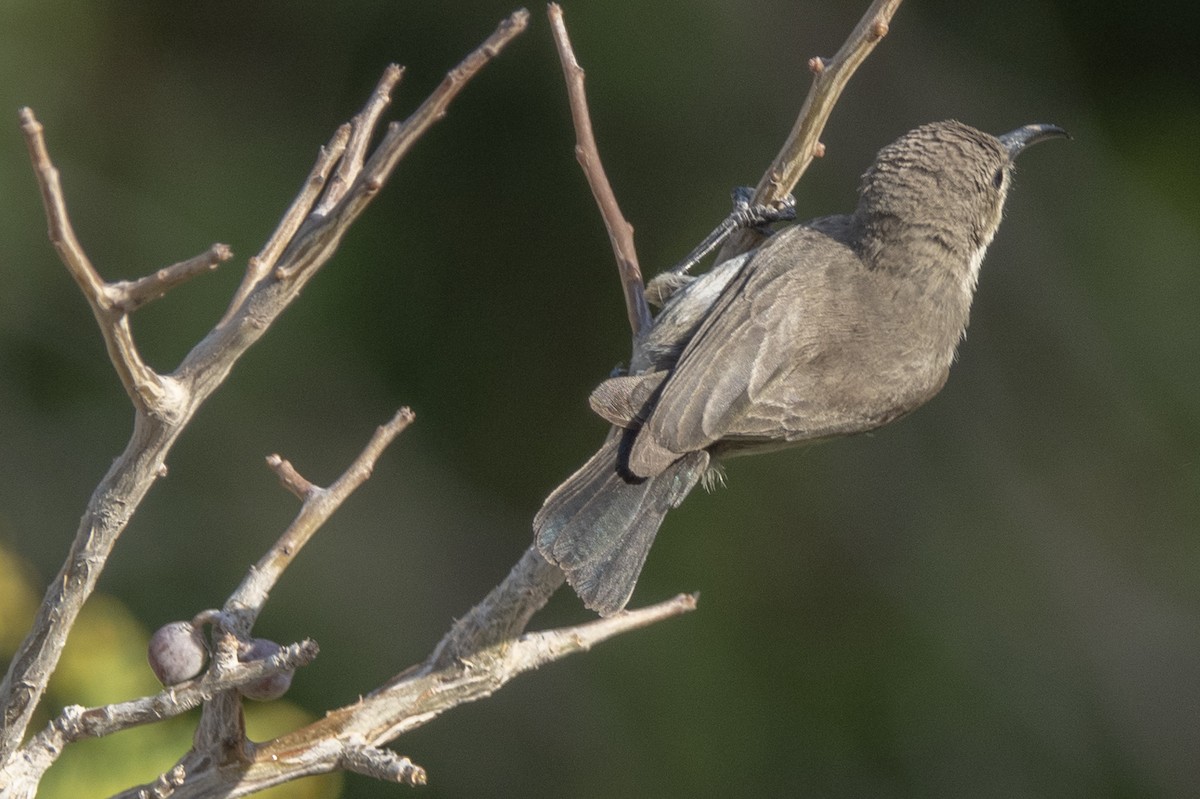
1017	140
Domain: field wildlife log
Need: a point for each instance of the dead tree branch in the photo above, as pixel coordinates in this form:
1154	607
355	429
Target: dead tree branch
410	701
488	646
830	77
620	232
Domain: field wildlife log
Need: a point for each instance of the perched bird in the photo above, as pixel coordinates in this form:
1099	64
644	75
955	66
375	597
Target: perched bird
832	327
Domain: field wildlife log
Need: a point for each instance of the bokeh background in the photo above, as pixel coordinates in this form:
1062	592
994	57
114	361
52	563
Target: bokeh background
999	596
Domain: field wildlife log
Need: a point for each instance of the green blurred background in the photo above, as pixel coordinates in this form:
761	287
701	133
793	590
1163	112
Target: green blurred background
999	596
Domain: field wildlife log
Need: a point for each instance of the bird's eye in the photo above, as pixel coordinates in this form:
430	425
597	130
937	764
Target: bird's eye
998	178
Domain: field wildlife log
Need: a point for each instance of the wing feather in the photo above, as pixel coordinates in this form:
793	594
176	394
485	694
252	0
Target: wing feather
751	371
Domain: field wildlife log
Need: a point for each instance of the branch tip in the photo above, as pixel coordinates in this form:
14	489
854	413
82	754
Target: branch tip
830	77
291	479
127	296
381	764
620	232
391	75
301	244
142	385
403	418
361	128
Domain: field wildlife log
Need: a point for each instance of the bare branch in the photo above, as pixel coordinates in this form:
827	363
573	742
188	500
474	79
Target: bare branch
291	479
247	601
165	404
145	388
260	265
803	143
620	232
503	613
129	295
382	764
401	136
316	240
361	128
76	723
410	701
222	720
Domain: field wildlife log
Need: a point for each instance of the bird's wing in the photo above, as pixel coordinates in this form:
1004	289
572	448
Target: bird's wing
752	369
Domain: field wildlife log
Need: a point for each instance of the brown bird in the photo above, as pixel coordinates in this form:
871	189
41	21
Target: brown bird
832	327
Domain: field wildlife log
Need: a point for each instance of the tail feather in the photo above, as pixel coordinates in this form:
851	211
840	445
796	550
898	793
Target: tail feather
598	525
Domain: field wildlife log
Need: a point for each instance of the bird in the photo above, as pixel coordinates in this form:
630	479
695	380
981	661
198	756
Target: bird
828	328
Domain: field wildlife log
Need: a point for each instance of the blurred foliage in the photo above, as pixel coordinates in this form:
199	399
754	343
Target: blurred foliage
996	597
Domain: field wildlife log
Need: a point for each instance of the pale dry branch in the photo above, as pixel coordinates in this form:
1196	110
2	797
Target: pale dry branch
361	128
76	723
483	650
221	720
830	77
260	265
127	296
382	764
407	702
320	234
401	135
164	404
503	613
620	232
146	389
319	504
289	478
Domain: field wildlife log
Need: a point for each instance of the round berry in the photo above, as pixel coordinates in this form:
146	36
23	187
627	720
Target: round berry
272	686
176	652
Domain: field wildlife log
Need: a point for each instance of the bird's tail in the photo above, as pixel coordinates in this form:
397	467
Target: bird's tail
598	525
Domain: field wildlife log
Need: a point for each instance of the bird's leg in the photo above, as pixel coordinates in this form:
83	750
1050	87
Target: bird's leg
744	215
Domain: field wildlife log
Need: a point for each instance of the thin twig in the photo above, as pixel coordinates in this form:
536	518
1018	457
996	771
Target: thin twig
262	264
291	479
803	143
361	128
319	504
408	702
145	388
320	235
620	232
76	723
401	135
222	719
165	404
129	295
381	764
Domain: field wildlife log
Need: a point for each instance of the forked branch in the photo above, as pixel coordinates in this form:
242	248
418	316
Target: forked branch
146	389
164	404
830	77
620	232
487	647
